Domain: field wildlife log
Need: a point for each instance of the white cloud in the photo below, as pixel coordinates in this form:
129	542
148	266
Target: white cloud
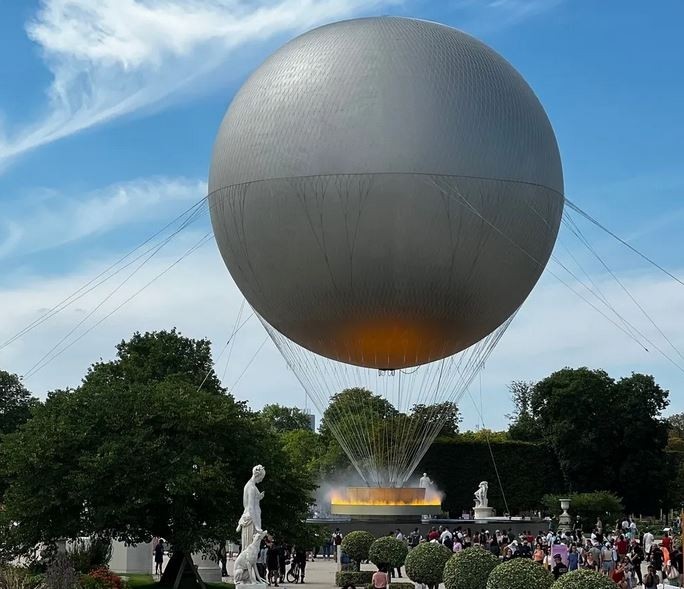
554	329
55	219
112	57
109	58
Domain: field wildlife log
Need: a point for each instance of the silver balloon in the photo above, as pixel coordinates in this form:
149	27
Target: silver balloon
385	191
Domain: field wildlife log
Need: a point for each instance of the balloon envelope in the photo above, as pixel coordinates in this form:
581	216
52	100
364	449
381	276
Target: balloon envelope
385	191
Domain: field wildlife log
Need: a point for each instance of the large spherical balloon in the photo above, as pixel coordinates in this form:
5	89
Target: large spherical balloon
385	191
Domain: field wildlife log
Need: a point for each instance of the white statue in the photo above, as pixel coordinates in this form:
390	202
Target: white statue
250	521
425	481
481	495
246	572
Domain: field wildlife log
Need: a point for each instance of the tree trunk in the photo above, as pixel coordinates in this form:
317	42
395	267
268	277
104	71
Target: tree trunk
170	573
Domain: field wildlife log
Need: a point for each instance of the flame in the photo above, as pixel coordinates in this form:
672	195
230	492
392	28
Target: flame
384	496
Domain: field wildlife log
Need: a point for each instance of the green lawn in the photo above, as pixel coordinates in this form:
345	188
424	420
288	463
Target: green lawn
148	582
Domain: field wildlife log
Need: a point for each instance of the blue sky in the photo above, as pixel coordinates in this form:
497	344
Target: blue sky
108	111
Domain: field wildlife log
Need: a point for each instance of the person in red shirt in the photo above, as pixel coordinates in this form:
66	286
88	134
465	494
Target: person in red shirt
622	547
433	535
666	542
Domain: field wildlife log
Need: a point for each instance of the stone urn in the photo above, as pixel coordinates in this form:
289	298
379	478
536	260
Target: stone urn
564	521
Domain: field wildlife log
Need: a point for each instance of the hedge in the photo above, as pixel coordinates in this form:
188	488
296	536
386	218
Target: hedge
356	545
356	578
520	573
519	463
469	569
588	506
425	563
583	579
388	551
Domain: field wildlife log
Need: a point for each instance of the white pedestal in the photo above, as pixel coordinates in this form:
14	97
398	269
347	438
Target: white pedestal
131	559
483	512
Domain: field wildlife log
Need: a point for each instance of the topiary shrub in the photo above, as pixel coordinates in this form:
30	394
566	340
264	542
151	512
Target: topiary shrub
356	578
356	546
388	550
583	579
519	573
425	563
469	569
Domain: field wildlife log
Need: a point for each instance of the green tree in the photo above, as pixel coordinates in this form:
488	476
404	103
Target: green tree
640	443
523	425
606	434
16	402
446	414
285	419
137	452
159	356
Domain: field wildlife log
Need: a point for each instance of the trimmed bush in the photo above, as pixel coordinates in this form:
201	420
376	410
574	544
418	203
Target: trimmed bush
469	569
388	550
583	579
400	585
520	573
588	506
425	563
356	578
356	546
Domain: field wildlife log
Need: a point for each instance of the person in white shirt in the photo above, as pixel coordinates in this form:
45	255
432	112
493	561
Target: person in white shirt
445	534
648	543
399	536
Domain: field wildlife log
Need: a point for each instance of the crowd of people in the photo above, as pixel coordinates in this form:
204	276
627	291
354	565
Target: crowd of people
617	553
274	558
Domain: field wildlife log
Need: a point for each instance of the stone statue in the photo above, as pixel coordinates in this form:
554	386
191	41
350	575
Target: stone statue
250	521
425	481
481	495
246	572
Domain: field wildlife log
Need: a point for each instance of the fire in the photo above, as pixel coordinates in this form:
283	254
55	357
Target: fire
383	496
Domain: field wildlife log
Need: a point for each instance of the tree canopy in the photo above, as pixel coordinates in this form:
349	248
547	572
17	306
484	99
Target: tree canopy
16	402
140	450
606	434
285	419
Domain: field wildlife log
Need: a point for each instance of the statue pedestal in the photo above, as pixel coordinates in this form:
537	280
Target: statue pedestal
483	512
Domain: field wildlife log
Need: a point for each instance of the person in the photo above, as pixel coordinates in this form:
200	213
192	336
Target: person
327	548
607	563
651	580
621	573
272	563
399	535
494	547
158	557
573	558
414	538
657	558
538	554
622	547
336	541
300	559
636	557
648	544
559	567
380	578
261	560
666	542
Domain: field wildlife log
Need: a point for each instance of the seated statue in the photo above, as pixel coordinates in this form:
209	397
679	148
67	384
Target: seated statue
246	572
